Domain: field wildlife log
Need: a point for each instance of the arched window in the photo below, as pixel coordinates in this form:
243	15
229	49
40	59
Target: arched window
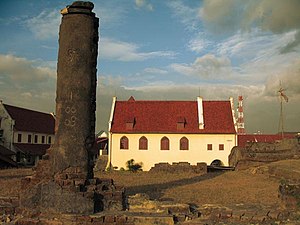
124	142
184	143
143	143
164	143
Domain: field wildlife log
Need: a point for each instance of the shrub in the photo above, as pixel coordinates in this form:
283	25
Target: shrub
134	167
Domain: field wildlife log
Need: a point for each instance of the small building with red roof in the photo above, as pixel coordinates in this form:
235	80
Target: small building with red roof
27	133
171	131
245	140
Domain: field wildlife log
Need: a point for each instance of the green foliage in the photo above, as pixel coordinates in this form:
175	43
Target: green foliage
134	167
283	181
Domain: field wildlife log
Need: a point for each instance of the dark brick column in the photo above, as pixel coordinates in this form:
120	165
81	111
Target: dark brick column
64	181
76	88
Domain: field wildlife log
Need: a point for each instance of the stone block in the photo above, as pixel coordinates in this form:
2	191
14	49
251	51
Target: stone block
25	182
83	219
28	222
109	219
98	219
121	219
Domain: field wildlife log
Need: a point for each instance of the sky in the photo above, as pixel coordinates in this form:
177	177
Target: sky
164	50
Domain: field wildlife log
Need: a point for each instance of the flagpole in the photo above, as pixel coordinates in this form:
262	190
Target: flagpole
281	118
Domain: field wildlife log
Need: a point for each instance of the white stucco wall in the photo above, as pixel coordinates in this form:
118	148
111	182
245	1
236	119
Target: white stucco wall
7	127
24	137
197	149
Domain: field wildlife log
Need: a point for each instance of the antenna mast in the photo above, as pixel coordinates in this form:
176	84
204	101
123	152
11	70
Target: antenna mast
240	119
283	97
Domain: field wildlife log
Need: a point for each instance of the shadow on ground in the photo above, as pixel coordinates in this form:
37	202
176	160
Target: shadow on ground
155	191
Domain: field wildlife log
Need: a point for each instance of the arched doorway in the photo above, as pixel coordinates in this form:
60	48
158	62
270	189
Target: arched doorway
217	162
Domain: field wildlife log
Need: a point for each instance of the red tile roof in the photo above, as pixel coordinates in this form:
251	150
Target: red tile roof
262	138
31	121
162	117
33	149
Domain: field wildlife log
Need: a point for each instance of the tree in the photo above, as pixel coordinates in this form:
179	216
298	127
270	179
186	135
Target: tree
134	167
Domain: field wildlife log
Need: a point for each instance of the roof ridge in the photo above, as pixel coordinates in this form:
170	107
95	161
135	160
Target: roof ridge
159	101
171	101
21	108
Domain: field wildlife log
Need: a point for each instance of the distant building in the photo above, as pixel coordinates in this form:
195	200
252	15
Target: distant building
25	132
100	146
6	158
249	139
171	131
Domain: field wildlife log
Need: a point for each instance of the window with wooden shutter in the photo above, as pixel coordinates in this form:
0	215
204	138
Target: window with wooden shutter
184	143
164	143
143	143
124	142
209	147
221	147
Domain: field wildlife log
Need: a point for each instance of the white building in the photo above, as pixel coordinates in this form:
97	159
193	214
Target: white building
171	131
25	132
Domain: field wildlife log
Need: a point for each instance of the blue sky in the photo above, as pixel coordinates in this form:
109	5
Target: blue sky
163	50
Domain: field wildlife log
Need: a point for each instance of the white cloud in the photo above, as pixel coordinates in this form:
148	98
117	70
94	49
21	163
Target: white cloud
22	83
277	16
45	25
207	66
188	16
198	44
20	70
144	4
255	45
124	51
110	13
290	79
155	70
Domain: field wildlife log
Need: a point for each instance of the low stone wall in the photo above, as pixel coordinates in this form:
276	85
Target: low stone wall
256	152
8	209
180	167
290	195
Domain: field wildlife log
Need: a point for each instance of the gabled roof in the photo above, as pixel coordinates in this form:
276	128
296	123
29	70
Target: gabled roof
31	121
162	117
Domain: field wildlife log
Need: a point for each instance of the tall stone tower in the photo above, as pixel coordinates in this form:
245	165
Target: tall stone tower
64	182
76	88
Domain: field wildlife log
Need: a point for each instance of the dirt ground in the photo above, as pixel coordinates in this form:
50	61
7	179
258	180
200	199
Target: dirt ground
255	186
10	181
228	188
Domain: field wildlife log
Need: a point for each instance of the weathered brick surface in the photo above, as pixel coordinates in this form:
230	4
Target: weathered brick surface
290	195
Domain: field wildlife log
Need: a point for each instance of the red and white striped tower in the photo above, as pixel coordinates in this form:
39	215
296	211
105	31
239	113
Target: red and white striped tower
240	119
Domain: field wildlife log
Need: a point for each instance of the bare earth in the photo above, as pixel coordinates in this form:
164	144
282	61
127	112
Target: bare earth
229	188
254	186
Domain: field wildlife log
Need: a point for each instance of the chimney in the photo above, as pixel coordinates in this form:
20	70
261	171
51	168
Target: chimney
233	114
112	112
200	113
